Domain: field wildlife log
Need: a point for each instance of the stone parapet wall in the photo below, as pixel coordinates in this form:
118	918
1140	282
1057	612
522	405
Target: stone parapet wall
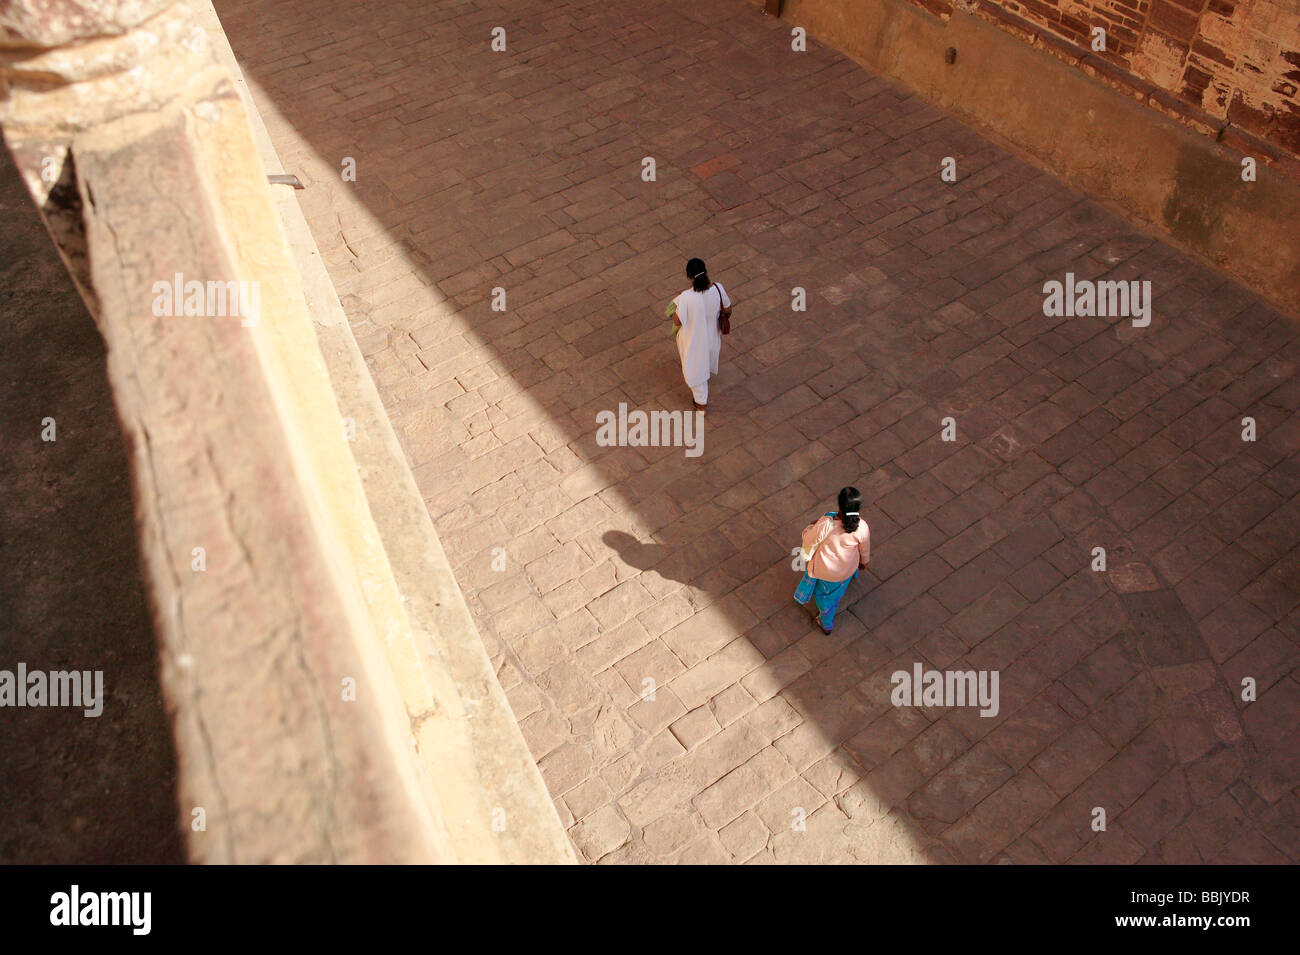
466	738
298	670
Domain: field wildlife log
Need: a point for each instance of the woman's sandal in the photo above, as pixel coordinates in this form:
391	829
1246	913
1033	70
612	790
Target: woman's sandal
702	409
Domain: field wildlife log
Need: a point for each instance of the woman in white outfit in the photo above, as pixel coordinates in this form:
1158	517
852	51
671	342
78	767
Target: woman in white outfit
702	314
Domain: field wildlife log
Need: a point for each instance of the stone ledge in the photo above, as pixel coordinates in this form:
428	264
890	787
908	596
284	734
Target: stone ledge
316	720
466	736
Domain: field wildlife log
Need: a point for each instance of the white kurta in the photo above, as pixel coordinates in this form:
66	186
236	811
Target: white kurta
699	342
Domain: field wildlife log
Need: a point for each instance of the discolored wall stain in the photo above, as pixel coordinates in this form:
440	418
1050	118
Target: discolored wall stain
1235	60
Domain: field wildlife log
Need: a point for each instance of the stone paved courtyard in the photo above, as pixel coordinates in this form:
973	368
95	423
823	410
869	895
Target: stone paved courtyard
631	570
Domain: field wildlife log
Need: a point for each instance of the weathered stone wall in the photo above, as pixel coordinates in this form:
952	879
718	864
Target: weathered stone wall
1220	191
1236	60
320	709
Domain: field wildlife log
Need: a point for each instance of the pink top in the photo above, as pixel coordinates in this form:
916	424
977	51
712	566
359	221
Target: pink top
839	554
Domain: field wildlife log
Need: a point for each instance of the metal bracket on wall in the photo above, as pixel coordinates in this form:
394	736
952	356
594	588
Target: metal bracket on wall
281	179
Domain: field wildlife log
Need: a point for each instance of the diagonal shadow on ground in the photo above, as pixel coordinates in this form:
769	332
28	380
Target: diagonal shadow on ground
680	706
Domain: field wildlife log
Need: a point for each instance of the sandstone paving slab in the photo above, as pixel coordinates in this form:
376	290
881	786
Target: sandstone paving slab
637	601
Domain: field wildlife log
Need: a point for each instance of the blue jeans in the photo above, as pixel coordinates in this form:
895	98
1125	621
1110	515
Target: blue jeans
826	593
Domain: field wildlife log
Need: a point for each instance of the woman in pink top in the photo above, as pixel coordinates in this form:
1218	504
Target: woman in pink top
835	548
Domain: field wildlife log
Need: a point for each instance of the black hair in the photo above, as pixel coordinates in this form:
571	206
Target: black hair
698	274
850	506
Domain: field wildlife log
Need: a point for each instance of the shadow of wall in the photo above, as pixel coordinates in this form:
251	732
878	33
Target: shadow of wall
73	789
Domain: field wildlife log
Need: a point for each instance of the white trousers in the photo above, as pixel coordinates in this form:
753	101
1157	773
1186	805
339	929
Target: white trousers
700	393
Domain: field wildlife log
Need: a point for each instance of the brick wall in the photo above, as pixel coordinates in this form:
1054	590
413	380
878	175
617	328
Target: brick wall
1212	62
